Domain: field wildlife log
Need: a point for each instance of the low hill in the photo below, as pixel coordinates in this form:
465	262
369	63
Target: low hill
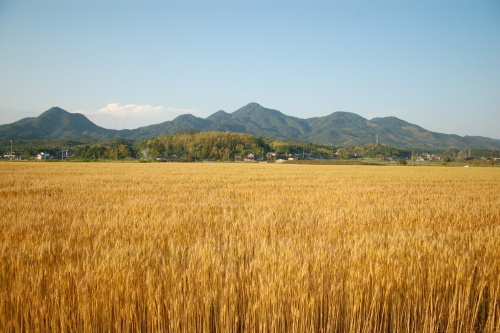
58	124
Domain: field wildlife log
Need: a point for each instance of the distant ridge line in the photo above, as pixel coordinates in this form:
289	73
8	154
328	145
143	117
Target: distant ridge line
338	128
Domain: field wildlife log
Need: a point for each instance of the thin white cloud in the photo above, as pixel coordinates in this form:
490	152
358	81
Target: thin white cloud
134	110
132	116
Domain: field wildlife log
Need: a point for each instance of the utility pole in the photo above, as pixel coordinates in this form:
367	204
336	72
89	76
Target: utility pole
11	149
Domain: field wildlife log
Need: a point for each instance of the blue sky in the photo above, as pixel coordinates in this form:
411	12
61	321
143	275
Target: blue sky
127	64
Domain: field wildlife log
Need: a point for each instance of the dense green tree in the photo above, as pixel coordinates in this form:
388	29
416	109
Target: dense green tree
98	152
31	152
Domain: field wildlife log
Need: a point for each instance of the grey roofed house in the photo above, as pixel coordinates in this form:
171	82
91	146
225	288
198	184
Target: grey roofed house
173	158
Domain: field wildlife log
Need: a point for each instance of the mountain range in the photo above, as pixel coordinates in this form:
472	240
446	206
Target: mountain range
338	128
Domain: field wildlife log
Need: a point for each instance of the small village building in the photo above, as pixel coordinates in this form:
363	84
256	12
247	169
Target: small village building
68	153
12	157
272	155
173	158
63	154
43	156
249	158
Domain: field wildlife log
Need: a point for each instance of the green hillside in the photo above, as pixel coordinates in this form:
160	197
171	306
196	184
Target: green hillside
339	128
58	124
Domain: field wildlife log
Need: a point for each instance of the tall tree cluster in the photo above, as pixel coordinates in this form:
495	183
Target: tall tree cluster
203	145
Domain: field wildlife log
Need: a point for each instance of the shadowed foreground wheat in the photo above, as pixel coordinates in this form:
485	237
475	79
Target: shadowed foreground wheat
116	247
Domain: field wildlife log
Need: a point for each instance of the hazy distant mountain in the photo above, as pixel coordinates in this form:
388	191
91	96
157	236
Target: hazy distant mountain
338	128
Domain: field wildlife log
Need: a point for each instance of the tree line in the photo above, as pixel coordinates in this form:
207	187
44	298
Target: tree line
114	149
192	145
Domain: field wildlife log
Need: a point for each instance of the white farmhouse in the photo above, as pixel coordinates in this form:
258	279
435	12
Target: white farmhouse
42	156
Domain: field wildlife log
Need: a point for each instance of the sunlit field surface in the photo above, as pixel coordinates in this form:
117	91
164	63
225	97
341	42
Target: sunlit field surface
171	247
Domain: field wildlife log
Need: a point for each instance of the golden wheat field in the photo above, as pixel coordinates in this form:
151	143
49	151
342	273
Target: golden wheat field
174	247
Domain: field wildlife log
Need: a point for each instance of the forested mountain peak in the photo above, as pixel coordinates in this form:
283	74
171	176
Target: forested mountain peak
255	109
219	116
55	110
391	121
